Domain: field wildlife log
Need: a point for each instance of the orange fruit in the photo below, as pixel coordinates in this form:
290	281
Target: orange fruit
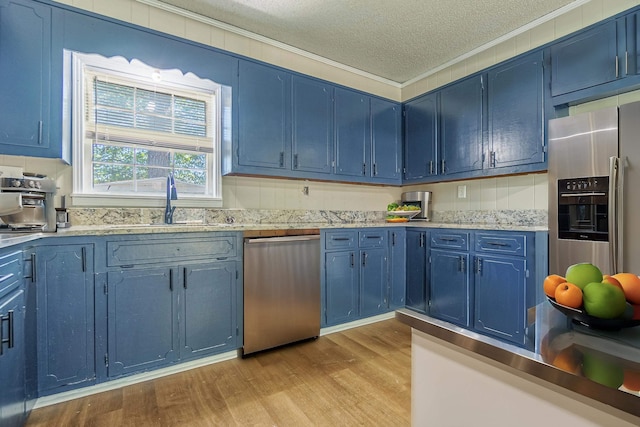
612	281
569	294
550	284
630	285
568	359
631	380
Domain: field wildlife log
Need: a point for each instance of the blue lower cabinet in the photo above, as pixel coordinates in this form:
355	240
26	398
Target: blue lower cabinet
341	287
397	267
171	298
373	282
500	289
12	360
481	280
142	320
355	282
209	309
64	283
450	286
162	315
416	270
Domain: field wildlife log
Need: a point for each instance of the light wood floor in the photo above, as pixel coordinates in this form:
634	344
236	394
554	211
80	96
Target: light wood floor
357	377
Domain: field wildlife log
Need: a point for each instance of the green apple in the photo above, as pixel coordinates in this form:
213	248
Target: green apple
602	371
604	300
582	274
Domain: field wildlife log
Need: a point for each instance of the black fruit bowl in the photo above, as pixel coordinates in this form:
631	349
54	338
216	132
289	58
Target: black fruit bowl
581	317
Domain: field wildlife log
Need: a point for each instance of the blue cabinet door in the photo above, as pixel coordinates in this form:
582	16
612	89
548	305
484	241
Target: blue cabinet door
461	124
352	134
421	137
500	289
449	286
209	309
30	79
142	319
341	287
264	116
65	316
386	139
12	360
417	270
373	281
312	118
397	267
516	112
586	60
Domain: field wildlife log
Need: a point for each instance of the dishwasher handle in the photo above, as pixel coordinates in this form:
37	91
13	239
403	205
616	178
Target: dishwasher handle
283	239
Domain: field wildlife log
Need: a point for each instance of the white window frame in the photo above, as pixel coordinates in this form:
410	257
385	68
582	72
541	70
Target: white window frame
76	65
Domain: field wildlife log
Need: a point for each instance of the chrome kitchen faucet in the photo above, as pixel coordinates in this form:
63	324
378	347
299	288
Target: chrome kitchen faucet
172	194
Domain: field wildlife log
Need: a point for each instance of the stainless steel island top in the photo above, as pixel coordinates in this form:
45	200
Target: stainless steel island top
558	355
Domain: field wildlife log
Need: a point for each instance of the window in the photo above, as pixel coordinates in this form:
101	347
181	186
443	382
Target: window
133	125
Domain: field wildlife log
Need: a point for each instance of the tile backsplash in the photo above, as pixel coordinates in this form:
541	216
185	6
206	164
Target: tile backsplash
520	192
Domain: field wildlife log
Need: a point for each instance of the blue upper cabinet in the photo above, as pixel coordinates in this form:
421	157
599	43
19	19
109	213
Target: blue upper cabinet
461	124
590	58
352	131
300	127
312	110
264	117
420	137
516	112
386	140
30	80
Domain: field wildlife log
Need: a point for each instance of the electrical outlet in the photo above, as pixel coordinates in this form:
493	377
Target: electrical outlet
462	191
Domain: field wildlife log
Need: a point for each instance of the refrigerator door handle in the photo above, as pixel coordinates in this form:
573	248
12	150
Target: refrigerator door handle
613	211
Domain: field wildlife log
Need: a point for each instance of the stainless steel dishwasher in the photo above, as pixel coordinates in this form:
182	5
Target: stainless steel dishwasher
281	291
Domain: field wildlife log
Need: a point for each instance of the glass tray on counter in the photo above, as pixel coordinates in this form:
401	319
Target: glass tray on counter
404	214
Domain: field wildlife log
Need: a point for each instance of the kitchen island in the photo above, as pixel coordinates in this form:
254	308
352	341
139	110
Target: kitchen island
463	378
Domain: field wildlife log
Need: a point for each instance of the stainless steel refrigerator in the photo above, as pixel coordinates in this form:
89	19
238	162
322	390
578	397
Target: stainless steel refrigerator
594	190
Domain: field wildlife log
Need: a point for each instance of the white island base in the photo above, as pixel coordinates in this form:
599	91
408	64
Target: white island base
454	387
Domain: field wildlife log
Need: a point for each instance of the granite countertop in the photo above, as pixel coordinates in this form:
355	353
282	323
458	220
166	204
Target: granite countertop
559	353
200	227
10	239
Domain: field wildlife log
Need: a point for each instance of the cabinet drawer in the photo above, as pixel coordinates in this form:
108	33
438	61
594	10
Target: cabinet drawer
339	240
372	238
162	250
512	244
10	272
450	240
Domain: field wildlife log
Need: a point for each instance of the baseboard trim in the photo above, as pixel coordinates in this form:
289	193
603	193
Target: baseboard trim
133	379
361	322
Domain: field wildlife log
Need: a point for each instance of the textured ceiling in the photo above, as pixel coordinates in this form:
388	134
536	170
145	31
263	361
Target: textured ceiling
393	39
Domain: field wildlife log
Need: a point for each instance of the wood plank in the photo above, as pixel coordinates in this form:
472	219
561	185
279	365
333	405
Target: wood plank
360	376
